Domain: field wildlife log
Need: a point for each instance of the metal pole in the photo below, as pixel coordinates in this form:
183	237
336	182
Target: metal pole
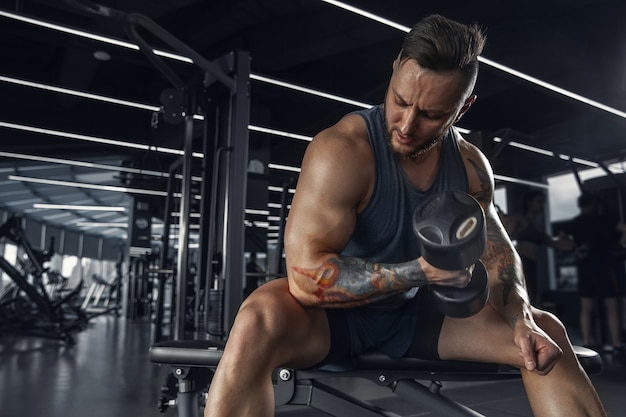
236	189
183	229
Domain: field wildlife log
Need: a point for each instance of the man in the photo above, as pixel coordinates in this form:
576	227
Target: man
356	281
596	239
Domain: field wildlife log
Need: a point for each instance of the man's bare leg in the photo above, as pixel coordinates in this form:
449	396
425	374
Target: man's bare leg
586	317
564	391
271	329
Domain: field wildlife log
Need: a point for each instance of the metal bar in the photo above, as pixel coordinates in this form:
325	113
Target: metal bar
418	394
236	189
183	226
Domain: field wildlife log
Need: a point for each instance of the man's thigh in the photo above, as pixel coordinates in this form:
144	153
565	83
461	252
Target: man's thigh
483	337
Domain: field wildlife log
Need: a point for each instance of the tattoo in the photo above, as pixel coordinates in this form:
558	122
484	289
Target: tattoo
486	186
354	281
498	246
514	320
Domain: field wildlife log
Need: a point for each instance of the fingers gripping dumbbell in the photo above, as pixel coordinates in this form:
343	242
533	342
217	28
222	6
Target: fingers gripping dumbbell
451	233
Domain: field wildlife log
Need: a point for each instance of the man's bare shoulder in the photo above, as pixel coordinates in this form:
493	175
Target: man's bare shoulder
479	171
347	138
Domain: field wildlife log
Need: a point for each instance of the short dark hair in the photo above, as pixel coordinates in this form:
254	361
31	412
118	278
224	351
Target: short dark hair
441	44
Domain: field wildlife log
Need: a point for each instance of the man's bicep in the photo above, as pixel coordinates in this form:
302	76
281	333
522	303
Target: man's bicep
323	211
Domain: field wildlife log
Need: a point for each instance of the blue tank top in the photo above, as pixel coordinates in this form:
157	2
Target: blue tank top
384	230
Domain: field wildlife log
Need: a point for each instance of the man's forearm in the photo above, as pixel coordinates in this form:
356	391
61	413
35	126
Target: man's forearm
509	294
348	281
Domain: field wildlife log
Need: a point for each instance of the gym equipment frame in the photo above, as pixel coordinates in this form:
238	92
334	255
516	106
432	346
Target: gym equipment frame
193	362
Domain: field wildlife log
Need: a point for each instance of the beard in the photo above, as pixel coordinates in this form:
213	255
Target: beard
416	152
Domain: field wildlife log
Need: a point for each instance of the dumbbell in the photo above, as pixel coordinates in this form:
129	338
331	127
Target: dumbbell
451	233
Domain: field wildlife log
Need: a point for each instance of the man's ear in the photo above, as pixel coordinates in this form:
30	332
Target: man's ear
468	103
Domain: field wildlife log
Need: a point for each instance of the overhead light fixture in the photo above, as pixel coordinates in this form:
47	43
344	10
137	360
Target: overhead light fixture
96	224
95	139
310	91
89	186
77	93
89	35
519	181
280	189
548	153
284	167
77	207
259	212
280	133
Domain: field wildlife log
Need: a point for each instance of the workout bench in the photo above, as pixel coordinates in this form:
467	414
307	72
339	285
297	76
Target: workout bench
193	362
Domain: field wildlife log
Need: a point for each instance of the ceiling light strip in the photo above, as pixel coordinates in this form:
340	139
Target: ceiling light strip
280	133
77	207
553	87
89	186
519	181
368	15
83	164
310	91
547	153
489	62
101	224
284	167
90	35
94	139
76	93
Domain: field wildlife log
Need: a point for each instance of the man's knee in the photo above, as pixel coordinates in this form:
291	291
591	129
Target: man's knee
262	315
550	324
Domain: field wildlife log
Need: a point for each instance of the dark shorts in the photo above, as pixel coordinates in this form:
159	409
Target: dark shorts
602	278
411	330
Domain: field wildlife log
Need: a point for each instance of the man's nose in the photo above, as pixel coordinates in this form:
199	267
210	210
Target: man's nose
408	123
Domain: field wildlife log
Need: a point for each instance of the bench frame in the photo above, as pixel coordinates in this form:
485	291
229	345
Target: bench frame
193	362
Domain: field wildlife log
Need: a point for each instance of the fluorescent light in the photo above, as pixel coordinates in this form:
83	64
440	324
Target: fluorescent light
256	211
531	148
77	207
548	153
310	91
280	133
280	189
368	15
284	167
519	181
89	186
489	62
554	88
89	35
96	139
80	94
96	224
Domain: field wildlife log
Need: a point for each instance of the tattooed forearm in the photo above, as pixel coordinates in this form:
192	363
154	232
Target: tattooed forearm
355	281
498	248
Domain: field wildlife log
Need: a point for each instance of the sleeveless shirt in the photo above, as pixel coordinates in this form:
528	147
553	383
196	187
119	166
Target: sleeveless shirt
384	229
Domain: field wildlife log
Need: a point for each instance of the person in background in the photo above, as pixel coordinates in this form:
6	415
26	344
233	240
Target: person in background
528	233
596	235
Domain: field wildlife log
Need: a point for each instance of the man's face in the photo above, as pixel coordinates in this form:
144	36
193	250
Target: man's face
420	106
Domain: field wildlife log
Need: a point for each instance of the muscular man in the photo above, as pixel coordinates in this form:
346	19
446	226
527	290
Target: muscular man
356	280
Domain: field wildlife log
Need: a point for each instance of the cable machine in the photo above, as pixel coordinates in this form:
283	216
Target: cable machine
222	101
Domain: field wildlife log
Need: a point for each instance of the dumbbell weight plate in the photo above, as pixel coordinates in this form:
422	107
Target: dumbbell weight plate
463	302
451	232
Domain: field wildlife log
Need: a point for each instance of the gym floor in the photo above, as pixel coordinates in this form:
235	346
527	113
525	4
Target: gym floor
107	374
